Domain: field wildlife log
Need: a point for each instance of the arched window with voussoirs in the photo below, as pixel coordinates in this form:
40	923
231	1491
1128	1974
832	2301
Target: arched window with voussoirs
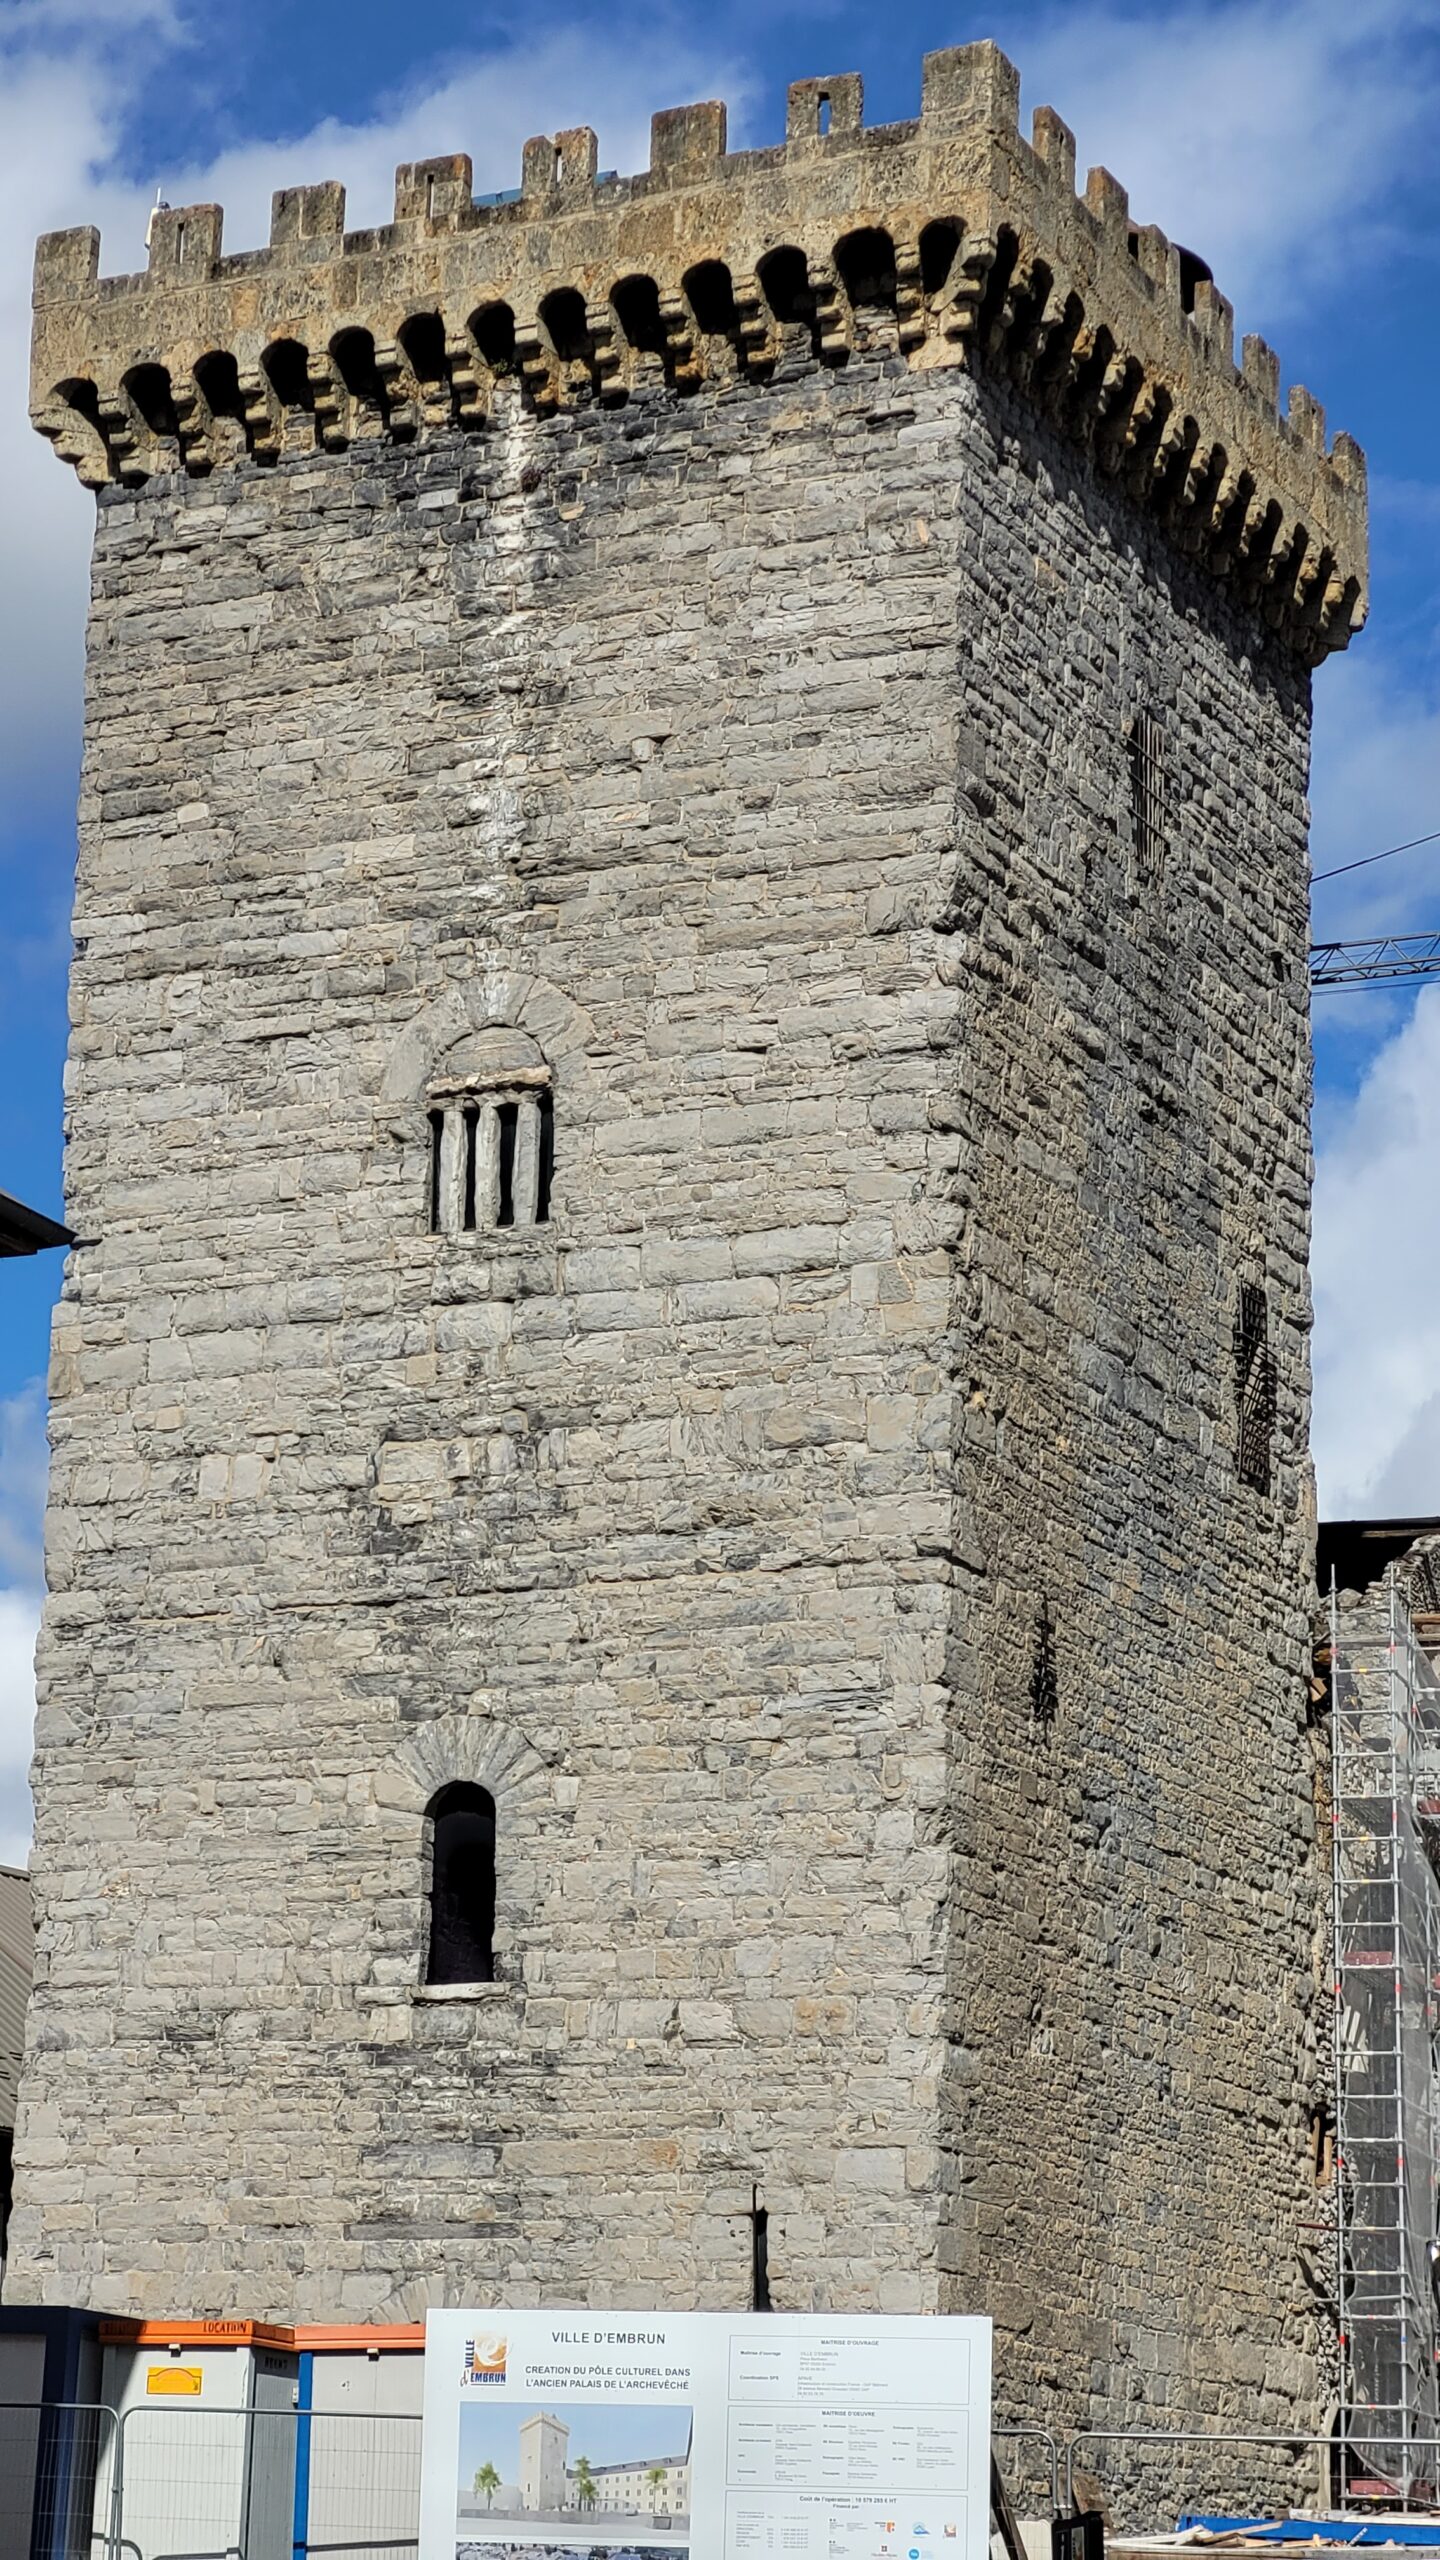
491	1162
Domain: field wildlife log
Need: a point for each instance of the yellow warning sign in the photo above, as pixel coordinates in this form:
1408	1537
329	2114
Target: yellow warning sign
174	2381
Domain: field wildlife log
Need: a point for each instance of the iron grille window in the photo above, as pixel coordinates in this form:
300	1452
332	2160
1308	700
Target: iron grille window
1147	792
1254	1387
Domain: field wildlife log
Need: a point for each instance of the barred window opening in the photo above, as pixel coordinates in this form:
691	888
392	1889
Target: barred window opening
1147	792
1254	1388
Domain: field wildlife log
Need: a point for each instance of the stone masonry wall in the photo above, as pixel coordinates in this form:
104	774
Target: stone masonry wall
824	1538
1136	1910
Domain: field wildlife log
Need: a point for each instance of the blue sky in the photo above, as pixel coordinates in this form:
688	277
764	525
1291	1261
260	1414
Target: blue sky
1289	141
648	2431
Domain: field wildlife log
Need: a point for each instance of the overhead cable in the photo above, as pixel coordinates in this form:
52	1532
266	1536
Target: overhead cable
1367	858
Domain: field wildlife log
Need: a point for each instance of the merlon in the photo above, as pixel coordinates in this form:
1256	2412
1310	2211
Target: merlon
951	232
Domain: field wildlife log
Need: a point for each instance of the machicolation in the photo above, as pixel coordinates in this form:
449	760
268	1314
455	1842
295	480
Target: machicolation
948	238
680	1538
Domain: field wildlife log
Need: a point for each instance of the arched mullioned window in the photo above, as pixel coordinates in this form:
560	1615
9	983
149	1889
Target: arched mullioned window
462	1886
492	1135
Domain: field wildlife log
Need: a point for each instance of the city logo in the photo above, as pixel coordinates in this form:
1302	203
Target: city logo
484	2360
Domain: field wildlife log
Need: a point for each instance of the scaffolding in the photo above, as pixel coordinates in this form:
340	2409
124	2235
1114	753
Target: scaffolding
1385	1819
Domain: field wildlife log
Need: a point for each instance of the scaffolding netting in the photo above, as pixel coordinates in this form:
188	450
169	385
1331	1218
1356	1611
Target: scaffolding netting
1386	1847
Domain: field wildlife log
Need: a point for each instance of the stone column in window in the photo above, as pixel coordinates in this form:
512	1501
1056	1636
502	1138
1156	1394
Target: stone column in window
527	1160
452	1171
487	1164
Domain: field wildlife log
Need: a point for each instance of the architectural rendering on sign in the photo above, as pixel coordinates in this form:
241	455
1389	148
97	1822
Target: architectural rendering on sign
679	1525
554	2466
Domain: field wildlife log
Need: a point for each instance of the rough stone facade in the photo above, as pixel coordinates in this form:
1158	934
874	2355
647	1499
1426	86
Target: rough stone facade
850	1539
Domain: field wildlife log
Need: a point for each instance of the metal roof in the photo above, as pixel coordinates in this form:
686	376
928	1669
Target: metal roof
25	1230
1358	1551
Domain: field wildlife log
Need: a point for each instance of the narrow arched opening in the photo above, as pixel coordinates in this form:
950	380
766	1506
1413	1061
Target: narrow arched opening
81	395
287	364
865	262
997	284
352	353
635	302
562	317
785	283
710	293
1193	273
493	329
491	1156
461	1945
72	422
148	386
939	246
422	338
217	379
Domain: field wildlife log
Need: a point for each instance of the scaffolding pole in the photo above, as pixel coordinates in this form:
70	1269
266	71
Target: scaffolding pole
1337	2006
1385	1746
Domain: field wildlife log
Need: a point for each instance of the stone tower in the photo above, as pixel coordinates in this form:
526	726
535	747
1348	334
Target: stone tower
543	2443
688	1120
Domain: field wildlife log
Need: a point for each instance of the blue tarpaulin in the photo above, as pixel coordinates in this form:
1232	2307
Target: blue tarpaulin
1366	2533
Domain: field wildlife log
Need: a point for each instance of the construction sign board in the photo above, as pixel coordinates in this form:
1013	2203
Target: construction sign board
588	2435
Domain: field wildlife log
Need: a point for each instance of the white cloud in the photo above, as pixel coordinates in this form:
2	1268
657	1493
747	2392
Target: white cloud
1259	132
23	1463
63	110
1375	783
489	107
1254	130
70	71
19	1621
1377	1227
1377	1307
1263	132
22	1504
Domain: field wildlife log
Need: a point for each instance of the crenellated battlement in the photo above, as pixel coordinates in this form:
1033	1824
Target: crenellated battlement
949	239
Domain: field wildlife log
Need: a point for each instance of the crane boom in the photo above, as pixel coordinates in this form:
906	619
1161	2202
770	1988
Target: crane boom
1365	964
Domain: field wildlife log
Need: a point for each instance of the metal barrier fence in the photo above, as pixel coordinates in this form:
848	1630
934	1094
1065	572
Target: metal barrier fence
82	2482
49	2458
79	2481
1036	2441
1185	2441
261	2483
362	2495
